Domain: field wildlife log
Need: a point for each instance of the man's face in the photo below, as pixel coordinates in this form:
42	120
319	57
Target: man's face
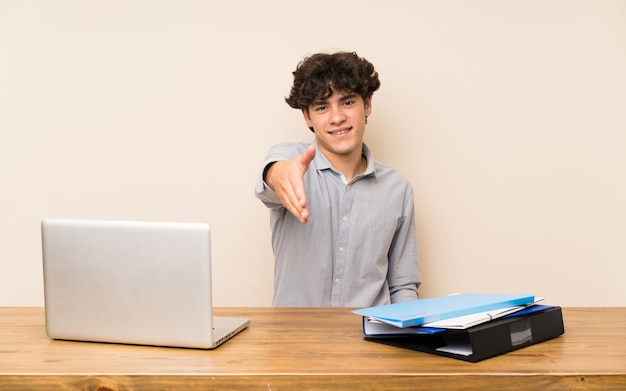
339	123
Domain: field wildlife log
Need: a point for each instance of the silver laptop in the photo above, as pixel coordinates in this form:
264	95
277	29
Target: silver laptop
142	283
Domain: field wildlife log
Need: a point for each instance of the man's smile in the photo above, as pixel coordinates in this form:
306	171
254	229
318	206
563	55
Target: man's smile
339	132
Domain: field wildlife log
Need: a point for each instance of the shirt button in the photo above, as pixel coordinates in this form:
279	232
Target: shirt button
337	280
341	249
345	218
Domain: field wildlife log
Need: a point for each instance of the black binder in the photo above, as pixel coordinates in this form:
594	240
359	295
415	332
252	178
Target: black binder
484	340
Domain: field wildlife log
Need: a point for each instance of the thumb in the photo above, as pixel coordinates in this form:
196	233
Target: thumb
307	156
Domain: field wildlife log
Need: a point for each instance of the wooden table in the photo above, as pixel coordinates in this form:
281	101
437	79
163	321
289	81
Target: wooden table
306	349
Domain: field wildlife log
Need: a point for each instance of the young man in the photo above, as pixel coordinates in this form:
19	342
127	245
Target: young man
343	225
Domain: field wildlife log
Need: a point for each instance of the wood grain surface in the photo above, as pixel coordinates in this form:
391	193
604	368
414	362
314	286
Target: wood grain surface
309	349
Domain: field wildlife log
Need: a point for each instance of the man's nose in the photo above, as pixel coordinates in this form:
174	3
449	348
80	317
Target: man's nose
337	115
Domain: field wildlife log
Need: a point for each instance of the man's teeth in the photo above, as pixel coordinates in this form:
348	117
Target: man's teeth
339	131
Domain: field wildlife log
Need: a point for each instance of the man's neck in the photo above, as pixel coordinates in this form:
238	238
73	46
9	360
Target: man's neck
349	165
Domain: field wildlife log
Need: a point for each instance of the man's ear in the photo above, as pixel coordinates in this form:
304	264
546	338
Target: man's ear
307	119
368	106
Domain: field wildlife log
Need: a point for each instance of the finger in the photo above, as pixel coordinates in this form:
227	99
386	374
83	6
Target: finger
296	205
290	199
297	184
304	216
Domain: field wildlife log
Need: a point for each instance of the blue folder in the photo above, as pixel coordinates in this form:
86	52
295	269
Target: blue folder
417	312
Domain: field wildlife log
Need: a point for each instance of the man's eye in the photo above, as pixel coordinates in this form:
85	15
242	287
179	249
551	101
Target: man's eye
320	108
348	103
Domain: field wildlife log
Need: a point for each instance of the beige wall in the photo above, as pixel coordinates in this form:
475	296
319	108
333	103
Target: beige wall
509	118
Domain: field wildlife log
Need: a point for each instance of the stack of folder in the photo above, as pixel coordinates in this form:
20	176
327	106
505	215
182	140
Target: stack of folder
469	327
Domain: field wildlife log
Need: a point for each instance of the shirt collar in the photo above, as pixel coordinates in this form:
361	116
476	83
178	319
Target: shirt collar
322	162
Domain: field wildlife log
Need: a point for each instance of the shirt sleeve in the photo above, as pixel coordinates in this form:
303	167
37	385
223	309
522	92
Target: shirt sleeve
404	275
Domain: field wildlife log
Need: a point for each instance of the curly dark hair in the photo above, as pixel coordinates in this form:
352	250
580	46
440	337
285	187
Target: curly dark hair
317	76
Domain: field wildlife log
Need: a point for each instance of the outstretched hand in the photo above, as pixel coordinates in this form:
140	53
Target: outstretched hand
286	178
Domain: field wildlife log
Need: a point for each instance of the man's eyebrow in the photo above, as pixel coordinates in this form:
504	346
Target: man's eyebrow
347	97
320	102
342	99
